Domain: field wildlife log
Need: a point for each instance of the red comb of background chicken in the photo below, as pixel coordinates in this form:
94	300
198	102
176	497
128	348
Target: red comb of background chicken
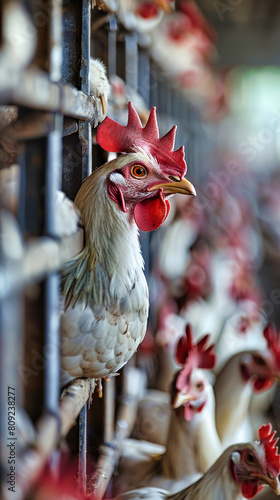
112	136
273	343
205	357
271	451
193	356
151	8
197	19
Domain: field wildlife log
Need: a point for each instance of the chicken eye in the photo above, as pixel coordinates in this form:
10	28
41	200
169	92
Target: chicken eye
250	459
199	386
259	361
139	172
270	475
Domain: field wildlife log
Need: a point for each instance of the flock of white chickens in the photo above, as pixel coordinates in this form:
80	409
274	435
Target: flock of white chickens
205	281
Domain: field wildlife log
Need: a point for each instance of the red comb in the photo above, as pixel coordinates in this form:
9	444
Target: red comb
271	451
273	343
193	356
204	356
112	136
198	21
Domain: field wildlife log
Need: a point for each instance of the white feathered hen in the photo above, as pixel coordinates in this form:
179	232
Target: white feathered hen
192	425
106	295
240	472
243	375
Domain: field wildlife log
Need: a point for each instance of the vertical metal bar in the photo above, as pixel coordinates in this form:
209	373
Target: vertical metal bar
83	449
71	47
53	183
162	97
71	41
109	402
85	136
52	293
85	132
51	350
131	60
10	389
153	85
169	108
112	46
86	22
144	75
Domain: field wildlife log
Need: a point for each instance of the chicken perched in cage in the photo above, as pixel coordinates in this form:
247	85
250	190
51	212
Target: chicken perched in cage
106	294
192	423
240	472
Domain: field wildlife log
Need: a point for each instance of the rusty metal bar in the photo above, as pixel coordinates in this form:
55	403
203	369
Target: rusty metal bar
126	416
42	256
32	462
33	88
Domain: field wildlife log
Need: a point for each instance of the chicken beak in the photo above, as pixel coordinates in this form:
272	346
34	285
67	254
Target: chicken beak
182	186
164	5
272	482
103	104
182	399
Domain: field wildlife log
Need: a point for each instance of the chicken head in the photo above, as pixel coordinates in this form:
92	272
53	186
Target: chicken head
257	464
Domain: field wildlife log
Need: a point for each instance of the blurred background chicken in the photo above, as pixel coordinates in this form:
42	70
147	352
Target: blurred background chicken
241	471
184	46
143	15
192	423
242	375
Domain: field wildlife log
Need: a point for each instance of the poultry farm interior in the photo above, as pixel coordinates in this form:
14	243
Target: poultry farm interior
139	301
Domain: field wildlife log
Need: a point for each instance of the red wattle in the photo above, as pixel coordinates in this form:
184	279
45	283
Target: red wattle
262	384
149	214
147	10
250	488
188	413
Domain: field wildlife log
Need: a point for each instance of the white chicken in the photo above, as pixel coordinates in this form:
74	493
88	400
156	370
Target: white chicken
241	471
106	294
244	374
192	423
